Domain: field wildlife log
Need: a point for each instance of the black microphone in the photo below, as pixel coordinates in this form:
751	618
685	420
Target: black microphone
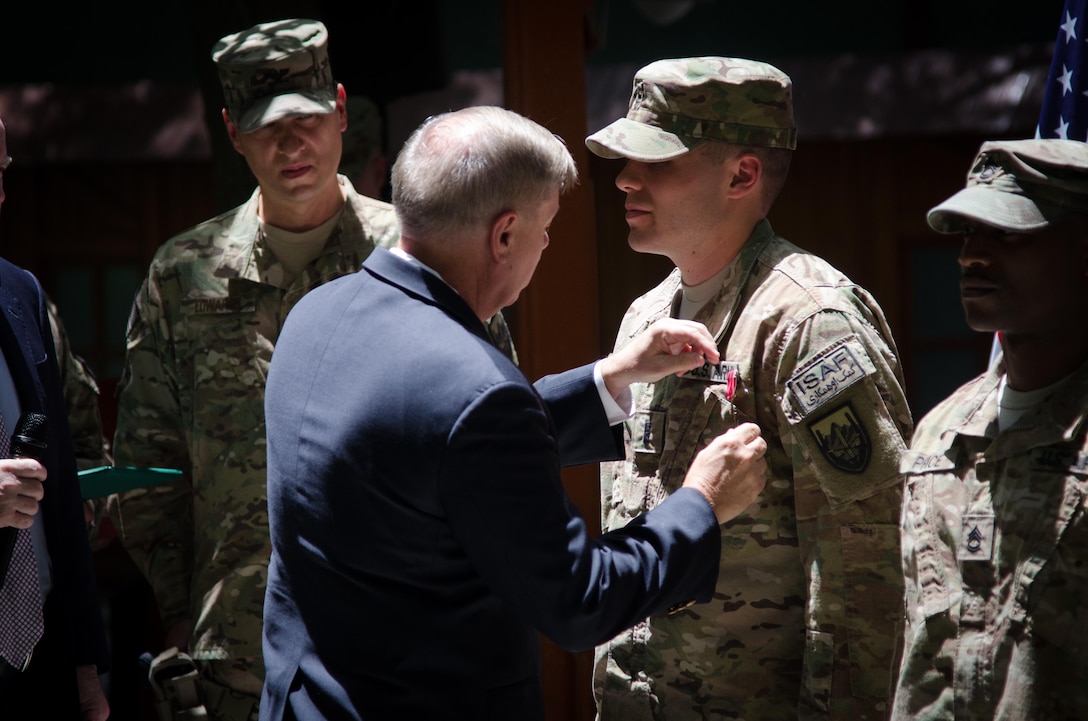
31	436
29	440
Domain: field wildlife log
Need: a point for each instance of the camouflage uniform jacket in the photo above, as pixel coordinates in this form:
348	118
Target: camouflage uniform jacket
995	552
81	395
202	331
805	615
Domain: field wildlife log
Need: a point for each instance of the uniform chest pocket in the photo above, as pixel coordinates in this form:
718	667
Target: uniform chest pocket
674	430
673	421
1052	568
228	349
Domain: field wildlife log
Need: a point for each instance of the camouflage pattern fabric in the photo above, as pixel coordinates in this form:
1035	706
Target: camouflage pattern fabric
81	395
200	339
678	104
995	542
191	397
805	615
274	70
1018	185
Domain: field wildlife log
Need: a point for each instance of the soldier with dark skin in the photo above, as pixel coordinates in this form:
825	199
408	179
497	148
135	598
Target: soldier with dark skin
995	535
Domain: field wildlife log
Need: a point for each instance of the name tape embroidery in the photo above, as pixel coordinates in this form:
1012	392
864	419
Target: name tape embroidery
917	462
229	304
713	372
1059	460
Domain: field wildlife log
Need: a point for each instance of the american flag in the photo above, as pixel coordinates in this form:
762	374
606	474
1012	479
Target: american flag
1065	101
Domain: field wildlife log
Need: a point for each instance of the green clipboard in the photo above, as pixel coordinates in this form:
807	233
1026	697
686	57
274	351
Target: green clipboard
104	480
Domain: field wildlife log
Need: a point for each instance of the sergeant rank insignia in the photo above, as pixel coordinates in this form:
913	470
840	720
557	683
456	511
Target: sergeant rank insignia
842	439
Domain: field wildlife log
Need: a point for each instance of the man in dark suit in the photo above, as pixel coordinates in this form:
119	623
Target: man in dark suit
60	679
421	535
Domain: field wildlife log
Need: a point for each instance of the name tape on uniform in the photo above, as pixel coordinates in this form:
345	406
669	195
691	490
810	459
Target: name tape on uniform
713	372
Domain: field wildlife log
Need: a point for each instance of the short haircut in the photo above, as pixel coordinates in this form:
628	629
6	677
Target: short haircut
775	162
460	170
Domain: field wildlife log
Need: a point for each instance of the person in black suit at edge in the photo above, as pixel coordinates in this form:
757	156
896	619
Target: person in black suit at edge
56	673
422	539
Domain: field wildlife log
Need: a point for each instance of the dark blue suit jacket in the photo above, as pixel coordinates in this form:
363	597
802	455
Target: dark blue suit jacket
421	534
73	621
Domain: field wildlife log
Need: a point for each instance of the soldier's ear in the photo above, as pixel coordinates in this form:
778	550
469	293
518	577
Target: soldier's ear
232	131
746	170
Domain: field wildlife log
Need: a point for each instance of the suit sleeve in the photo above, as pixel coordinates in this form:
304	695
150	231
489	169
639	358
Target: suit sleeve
507	507
581	423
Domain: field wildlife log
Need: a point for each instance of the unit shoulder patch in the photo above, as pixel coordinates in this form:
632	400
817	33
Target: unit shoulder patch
843	440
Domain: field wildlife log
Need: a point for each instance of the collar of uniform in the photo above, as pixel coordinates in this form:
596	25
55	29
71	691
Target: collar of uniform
239	242
1059	420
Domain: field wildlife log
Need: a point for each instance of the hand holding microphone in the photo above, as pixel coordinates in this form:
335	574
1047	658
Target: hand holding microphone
21	478
21	474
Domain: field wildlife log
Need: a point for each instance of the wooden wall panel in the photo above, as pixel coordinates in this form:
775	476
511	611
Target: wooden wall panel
555	320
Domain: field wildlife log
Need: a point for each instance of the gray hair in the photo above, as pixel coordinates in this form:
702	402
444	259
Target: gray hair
460	170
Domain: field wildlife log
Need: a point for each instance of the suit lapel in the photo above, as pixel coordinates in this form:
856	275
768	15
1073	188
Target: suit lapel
21	343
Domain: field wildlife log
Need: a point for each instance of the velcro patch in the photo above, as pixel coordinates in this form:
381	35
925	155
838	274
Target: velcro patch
842	439
827	375
1059	460
916	462
647	430
976	538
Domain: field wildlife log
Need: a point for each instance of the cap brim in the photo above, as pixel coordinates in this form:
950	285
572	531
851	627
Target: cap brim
319	101
626	138
983	204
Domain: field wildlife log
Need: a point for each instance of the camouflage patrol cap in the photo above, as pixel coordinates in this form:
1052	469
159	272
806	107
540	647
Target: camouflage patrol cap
1018	185
275	70
678	104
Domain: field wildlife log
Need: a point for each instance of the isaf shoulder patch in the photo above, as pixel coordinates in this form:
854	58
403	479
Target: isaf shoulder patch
827	375
842	439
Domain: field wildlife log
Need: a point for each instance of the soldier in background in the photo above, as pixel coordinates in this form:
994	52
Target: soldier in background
200	338
81	394
995	538
364	161
84	416
804	621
